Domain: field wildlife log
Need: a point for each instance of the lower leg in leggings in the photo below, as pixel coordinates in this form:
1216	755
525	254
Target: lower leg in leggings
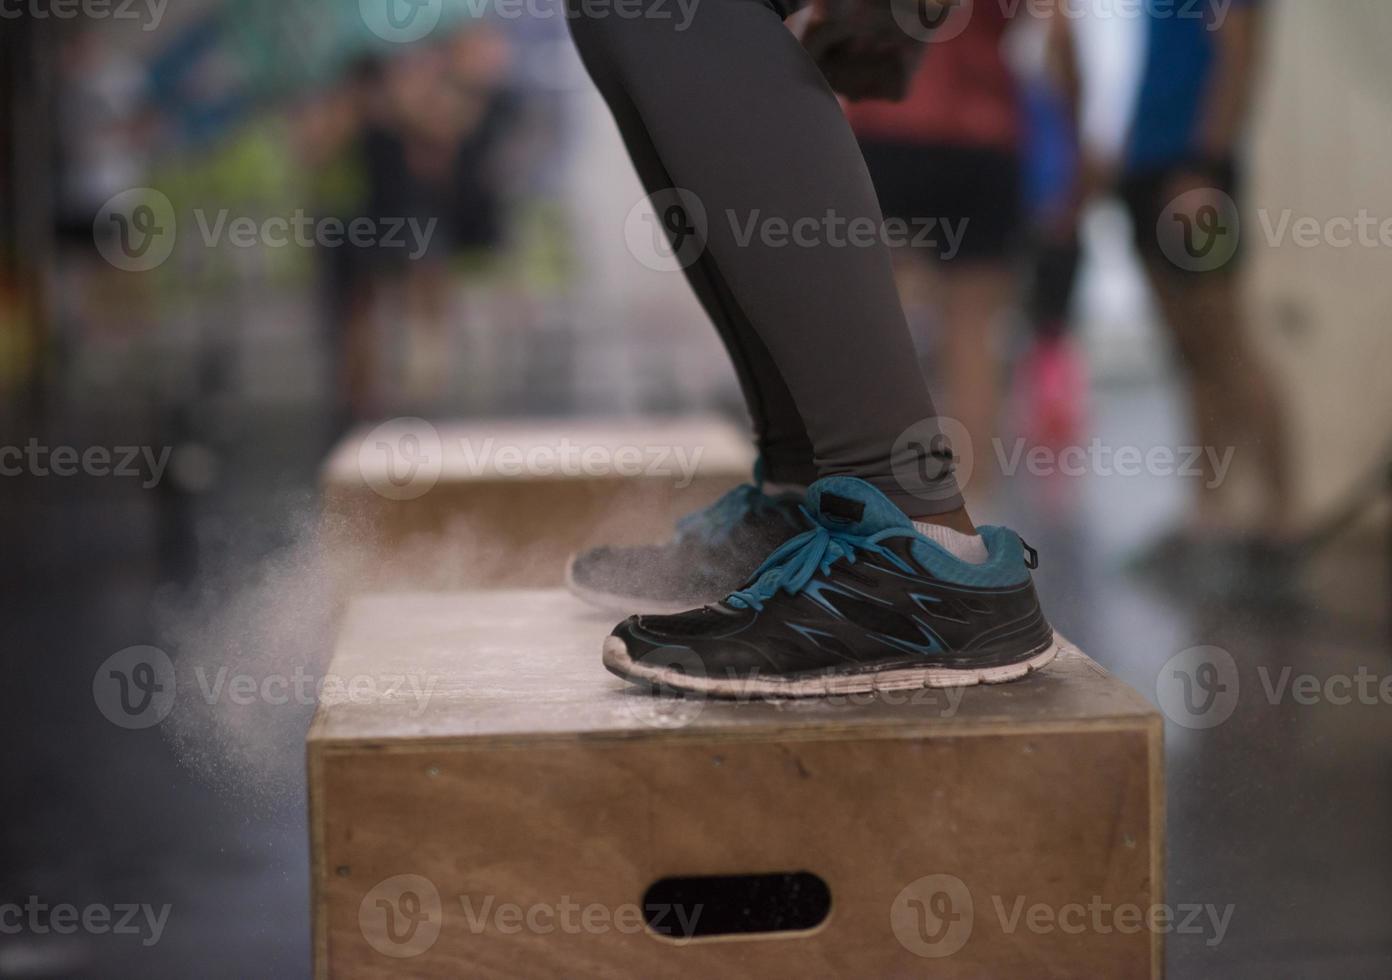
736	114
784	447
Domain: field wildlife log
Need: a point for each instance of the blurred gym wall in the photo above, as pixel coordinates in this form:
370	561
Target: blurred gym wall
1323	311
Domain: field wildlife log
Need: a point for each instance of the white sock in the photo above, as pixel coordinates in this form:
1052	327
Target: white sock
971	548
784	489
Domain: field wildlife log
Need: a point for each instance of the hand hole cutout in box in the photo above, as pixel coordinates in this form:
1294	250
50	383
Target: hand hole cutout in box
762	906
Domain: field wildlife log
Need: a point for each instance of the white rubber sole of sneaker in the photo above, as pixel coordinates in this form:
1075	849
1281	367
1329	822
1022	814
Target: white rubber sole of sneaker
617	660
621	604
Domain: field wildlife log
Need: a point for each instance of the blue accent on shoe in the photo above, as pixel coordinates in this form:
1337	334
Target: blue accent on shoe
714	524
879	513
850	516
1004	568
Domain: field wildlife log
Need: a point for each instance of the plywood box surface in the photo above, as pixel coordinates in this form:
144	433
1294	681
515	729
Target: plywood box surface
495	503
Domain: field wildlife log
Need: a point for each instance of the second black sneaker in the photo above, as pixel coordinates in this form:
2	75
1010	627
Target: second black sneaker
859	602
714	550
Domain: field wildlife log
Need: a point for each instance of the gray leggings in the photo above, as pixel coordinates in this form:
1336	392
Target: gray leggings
728	107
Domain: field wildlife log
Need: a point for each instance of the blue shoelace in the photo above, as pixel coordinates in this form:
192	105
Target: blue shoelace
798	560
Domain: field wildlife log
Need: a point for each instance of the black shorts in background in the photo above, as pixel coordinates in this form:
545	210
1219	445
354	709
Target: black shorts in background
960	204
1147	196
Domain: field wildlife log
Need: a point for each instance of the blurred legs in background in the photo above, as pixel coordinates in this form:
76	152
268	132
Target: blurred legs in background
1060	177
958	309
1232	400
1181	173
946	165
1053	378
975	299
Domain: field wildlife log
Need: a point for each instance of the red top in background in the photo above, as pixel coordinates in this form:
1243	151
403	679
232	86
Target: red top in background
962	95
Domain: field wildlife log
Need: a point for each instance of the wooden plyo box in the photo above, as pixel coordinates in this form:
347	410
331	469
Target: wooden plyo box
495	503
487	801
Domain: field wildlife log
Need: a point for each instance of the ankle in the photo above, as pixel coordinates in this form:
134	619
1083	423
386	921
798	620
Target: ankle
957	520
970	548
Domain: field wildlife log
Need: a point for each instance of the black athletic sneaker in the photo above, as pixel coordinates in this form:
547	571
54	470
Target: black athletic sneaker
714	551
861	602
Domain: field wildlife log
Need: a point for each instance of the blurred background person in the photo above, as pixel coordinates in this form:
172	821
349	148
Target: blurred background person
946	164
1181	169
105	136
1060	179
438	166
418	142
335	130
